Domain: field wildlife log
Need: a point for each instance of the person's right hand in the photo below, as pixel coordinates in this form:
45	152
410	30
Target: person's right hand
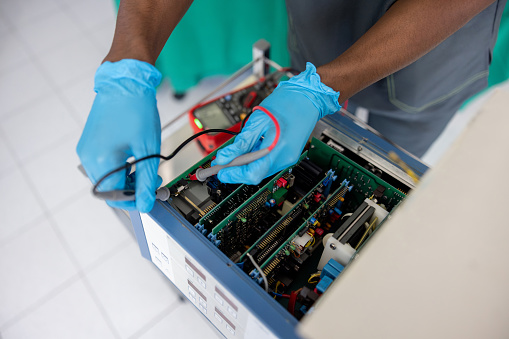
124	122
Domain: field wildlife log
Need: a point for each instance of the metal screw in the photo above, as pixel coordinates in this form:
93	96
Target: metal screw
333	246
359	148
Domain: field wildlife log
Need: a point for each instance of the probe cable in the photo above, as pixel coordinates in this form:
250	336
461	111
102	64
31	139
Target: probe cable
244	159
163	194
124	195
265	282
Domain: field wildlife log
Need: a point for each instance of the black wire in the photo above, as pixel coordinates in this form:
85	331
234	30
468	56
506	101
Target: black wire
244	121
165	158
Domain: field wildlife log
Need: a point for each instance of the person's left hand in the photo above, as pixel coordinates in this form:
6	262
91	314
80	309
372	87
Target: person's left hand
297	104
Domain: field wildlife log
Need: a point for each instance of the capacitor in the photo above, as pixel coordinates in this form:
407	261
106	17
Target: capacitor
291	180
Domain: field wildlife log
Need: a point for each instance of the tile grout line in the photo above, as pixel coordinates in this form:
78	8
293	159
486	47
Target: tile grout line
55	88
87	31
24	105
69	200
41	301
80	273
96	263
22	229
100	306
32	57
19	168
24	161
155	320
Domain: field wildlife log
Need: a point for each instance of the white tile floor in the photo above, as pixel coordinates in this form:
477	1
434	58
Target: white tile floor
68	267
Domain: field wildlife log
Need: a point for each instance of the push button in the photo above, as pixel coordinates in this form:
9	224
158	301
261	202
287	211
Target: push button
232	312
218	298
203	302
202	282
218	317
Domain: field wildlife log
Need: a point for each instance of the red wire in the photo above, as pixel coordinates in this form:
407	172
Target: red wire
274	120
291	302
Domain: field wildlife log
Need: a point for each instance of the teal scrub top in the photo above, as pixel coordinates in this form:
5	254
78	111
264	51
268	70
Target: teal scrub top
216	38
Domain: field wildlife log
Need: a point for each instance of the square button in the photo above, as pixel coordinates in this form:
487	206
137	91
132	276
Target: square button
202	309
218	298
202	282
193	299
191	291
229	328
203	302
218	317
190	271
232	312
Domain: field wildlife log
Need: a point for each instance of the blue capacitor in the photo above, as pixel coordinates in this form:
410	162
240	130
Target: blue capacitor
323	284
332	269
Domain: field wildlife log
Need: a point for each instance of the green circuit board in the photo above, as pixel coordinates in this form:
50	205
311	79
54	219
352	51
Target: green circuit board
314	197
365	182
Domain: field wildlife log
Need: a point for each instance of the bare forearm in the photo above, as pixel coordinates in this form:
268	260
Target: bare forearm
143	27
408	30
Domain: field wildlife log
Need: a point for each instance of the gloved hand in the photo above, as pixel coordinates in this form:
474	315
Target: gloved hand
297	104
124	122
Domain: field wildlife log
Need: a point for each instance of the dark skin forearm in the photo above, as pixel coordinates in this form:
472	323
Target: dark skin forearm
409	29
143	27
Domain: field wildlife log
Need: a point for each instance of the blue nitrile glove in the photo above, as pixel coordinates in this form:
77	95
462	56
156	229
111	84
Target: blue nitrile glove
297	104
124	122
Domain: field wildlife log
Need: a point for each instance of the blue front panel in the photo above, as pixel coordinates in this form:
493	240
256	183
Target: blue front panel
140	234
228	276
